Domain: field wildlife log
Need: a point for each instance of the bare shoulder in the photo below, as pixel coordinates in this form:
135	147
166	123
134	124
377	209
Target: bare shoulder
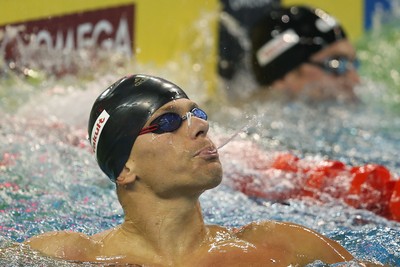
65	244
294	238
216	229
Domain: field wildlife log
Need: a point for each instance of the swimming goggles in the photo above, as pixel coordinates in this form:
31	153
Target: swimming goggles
337	65
170	122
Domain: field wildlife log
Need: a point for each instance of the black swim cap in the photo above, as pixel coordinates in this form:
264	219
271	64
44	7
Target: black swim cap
287	37
119	114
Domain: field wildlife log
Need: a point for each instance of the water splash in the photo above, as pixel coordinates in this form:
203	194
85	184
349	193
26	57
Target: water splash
50	181
241	130
250	127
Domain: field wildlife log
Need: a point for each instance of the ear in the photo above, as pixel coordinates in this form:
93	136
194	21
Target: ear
127	174
279	84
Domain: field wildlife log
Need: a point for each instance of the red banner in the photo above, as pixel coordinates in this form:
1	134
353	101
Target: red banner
111	29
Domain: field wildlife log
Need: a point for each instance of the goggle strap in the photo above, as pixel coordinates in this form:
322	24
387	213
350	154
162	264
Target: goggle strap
149	129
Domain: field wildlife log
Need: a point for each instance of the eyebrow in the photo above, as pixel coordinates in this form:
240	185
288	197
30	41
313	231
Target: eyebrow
175	109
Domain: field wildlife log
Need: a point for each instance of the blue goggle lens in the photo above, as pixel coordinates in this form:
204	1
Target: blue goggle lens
338	65
170	122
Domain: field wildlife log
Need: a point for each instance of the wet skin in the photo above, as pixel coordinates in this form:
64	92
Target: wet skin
159	190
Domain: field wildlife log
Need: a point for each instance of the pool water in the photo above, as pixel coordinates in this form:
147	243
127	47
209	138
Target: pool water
49	179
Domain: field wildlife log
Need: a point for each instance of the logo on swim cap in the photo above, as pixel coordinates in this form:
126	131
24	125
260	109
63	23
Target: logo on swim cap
97	128
277	46
139	80
325	25
325	22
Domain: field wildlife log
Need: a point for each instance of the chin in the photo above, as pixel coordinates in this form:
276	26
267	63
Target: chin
210	175
215	177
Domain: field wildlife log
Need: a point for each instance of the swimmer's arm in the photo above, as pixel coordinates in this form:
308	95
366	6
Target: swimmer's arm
322	247
338	249
64	245
301	244
315	245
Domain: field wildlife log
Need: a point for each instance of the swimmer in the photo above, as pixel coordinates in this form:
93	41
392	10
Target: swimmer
303	52
142	140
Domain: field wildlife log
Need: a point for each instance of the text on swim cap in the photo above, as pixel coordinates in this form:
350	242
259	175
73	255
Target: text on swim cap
139	80
277	46
97	128
326	25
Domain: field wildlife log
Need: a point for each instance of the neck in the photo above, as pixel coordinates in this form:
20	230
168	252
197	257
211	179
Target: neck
169	227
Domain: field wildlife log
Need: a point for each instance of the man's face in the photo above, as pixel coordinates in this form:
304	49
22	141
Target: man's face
184	161
315	82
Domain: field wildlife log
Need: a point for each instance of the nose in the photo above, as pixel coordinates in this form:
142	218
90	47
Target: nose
353	77
350	81
197	127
